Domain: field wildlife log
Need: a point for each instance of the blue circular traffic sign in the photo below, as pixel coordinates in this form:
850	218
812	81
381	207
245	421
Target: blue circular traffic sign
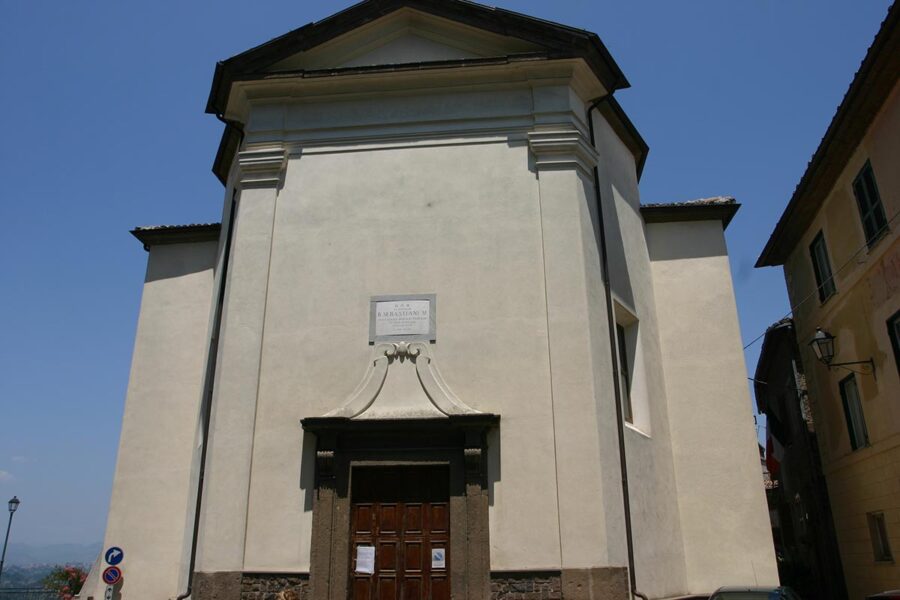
112	575
114	555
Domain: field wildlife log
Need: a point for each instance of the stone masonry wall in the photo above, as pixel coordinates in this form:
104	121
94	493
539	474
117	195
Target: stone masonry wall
274	586
526	585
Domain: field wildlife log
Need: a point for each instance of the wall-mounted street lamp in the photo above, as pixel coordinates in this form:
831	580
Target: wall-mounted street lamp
823	345
13	505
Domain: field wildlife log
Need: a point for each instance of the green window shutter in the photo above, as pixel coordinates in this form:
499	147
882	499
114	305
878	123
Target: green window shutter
868	200
856	422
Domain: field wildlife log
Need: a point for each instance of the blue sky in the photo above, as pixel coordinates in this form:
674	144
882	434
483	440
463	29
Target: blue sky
104	129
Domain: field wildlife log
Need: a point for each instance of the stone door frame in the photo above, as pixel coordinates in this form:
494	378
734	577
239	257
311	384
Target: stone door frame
458	442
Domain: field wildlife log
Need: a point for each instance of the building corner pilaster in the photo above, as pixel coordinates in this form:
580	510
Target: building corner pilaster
222	536
588	505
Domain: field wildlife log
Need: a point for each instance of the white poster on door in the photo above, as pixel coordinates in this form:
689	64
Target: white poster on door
438	558
365	559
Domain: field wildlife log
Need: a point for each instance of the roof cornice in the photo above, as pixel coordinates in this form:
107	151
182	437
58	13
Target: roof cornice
158	235
615	115
561	40
876	78
708	209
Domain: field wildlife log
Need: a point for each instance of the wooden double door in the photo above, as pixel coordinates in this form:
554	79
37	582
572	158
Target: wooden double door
400	533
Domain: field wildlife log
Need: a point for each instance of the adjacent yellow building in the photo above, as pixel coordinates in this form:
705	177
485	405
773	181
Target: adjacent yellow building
837	241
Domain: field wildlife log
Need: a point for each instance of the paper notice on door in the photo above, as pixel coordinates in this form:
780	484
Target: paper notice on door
365	559
438	558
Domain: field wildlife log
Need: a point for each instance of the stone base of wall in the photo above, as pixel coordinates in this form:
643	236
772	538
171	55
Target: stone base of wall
274	586
598	583
526	585
569	584
610	583
216	586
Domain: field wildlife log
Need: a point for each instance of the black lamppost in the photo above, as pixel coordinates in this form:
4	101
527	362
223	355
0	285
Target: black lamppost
13	505
823	345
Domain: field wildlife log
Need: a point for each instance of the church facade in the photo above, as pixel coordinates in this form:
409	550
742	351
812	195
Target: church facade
436	348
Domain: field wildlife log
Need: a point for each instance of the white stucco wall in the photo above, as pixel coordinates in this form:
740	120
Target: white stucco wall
724	522
474	185
413	193
420	206
659	555
432	219
153	491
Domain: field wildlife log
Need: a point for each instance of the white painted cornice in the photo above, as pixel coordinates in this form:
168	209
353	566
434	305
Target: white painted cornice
297	87
562	149
262	167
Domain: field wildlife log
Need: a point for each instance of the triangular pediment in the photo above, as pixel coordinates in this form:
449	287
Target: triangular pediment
383	36
405	36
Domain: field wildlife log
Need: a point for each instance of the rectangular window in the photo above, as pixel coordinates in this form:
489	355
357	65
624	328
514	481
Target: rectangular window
871	211
856	423
893	325
881	547
624	374
821	267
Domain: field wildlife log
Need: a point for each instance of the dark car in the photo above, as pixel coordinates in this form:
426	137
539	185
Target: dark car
754	593
889	595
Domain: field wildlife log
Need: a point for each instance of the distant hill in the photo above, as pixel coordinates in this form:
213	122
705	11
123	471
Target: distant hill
24	577
29	555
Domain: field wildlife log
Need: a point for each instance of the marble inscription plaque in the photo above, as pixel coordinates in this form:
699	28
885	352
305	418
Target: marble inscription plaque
402	318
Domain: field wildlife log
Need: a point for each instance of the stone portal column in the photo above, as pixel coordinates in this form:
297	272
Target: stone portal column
220	553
